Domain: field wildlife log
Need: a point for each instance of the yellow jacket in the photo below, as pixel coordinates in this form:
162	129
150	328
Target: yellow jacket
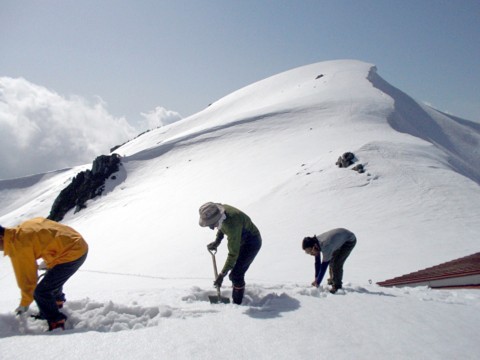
40	238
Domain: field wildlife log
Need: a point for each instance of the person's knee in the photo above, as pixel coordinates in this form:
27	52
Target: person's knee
39	292
238	282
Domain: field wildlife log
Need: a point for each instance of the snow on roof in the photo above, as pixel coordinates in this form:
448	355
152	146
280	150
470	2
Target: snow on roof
467	267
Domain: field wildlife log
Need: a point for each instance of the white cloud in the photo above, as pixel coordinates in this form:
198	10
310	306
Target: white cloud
160	117
42	131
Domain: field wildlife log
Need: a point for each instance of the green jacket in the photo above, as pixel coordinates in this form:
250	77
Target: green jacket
238	227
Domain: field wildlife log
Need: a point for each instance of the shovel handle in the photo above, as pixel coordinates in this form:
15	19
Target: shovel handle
219	297
215	271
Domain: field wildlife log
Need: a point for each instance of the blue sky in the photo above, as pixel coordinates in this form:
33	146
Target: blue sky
184	54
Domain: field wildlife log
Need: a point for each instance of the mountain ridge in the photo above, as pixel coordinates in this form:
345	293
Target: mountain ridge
275	158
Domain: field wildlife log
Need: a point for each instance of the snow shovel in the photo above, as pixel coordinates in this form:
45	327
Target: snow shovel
218	298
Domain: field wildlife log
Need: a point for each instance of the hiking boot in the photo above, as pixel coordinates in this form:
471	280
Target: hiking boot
237	294
334	289
60	324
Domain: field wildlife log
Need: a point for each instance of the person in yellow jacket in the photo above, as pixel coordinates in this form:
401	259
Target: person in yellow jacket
63	251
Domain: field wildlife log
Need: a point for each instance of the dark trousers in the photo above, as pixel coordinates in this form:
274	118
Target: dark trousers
336	264
248	250
50	289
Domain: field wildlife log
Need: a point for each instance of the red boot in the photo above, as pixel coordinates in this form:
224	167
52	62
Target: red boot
52	325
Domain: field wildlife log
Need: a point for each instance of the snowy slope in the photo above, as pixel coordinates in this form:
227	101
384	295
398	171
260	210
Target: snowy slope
270	149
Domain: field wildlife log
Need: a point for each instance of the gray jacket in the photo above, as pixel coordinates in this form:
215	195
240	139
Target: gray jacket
332	240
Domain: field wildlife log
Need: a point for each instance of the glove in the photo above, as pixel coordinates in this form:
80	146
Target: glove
21	310
218	283
213	246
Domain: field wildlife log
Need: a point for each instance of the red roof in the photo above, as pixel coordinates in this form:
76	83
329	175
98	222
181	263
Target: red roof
466	266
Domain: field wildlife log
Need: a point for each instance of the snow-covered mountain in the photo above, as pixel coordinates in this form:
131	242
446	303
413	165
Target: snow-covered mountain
270	149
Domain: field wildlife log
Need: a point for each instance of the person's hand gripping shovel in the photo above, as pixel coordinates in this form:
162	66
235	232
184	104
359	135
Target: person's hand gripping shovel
216	299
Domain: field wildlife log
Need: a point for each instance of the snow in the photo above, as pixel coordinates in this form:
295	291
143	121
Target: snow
269	149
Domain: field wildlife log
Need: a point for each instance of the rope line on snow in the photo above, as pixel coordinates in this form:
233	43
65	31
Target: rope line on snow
143	276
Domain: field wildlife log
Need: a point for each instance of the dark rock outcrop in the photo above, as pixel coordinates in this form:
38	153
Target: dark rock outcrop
348	159
85	185
345	160
359	168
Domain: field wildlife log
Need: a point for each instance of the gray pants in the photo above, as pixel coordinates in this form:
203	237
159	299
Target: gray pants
336	264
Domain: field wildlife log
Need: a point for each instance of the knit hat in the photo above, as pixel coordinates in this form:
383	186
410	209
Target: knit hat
210	213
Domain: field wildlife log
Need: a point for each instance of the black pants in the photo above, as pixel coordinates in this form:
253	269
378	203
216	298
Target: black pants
50	289
336	264
248	250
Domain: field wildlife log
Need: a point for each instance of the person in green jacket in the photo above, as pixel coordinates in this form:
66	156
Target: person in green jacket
244	242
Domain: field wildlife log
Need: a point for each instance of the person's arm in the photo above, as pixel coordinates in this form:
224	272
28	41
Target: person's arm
323	270
234	241
317	265
218	239
25	269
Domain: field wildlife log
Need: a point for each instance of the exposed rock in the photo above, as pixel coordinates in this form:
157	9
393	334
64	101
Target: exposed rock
85	185
345	160
348	159
359	168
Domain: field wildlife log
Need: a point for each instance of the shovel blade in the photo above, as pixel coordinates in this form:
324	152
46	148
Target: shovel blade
215	299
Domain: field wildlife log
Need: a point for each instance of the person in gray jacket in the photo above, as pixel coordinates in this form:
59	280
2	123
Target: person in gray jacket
334	246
